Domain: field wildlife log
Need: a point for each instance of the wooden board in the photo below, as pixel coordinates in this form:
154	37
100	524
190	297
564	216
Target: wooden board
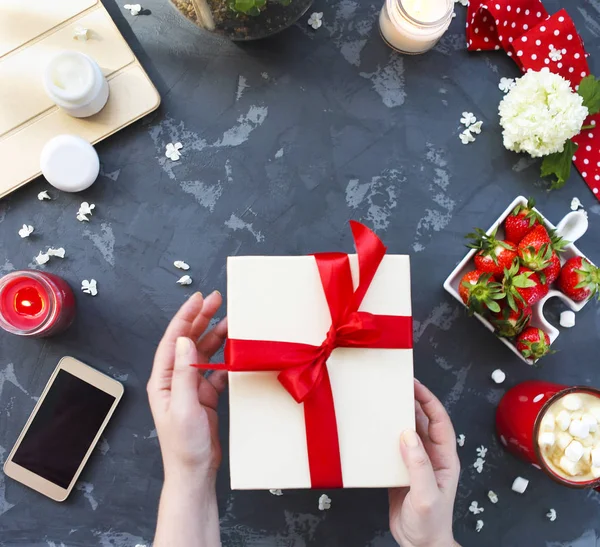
30	34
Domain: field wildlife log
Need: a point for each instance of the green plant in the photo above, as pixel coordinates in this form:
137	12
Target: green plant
253	7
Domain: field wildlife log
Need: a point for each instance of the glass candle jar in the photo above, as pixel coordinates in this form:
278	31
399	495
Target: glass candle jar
522	418
35	304
414	26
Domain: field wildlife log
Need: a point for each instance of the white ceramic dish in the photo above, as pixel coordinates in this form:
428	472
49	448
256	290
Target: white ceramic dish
571	228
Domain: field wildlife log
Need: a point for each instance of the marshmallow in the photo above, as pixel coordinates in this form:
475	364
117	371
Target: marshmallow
579	429
596	457
548	422
587	455
498	376
563	420
547	439
596	472
595	412
574	451
519	485
568	466
563	440
567	319
572	402
588	441
591	421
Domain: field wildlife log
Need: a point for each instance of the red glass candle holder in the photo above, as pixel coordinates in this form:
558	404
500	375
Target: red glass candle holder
35	303
518	421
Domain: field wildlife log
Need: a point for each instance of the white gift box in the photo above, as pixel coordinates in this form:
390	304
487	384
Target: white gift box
282	299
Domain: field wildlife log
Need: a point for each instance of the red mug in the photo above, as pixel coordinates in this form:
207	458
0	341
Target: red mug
518	420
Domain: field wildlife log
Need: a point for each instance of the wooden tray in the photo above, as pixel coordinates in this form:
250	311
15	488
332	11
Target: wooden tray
32	31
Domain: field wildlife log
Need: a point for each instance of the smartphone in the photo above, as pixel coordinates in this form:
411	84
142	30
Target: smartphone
63	429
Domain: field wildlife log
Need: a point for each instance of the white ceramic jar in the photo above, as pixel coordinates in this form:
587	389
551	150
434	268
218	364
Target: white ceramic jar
76	84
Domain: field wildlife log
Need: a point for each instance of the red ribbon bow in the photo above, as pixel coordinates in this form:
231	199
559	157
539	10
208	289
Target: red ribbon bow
303	367
528	34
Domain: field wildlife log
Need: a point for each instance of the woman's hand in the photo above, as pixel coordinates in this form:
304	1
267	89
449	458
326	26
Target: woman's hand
421	516
183	402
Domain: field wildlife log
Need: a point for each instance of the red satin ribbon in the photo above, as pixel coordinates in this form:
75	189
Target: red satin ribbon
303	367
527	33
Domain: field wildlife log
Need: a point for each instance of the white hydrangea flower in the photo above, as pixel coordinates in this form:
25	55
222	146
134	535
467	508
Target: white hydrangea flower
540	113
460	440
506	84
466	137
482	451
479	526
173	151
475	128
551	515
478	465
324	502
468	118
316	20
475	509
44	195
555	54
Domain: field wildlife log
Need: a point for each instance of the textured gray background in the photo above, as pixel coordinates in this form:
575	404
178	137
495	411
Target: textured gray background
284	141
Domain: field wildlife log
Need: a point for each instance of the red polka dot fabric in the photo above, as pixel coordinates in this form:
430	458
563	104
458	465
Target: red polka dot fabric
535	40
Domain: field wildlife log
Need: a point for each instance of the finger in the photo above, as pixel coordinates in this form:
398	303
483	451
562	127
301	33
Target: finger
211	387
210	343
441	431
180	325
422	422
219	380
184	386
423	484
211	304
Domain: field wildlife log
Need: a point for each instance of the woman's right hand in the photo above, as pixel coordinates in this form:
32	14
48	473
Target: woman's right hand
421	515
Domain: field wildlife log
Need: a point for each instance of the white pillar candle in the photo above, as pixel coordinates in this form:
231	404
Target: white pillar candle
76	84
414	26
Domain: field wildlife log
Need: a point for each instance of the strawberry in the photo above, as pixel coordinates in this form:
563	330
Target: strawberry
537	247
522	219
551	272
494	255
509	323
479	292
533	343
522	287
579	279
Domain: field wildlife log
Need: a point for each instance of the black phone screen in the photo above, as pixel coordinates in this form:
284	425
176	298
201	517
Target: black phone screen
63	429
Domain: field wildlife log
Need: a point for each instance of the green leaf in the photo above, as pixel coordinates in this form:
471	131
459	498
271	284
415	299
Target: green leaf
559	165
589	89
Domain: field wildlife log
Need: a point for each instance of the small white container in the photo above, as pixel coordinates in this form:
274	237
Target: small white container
76	84
414	26
571	228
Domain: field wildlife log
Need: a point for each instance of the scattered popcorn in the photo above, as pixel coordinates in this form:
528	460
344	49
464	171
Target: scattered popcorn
506	84
555	54
89	287
42	258
482	451
498	376
579	429
60	252
86	208
466	137
185	280
493	496
468	119
567	319
316	20
478	465
81	34
475	128
461	440
181	265
519	485
43	195
551	515
479	526
563	420
276	492
571	402
324	502
82	218
475	509
26	231
134	9
172	151
575	204
547	438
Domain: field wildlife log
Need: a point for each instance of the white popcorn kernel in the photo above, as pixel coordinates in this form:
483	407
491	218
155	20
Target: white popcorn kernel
324	502
551	515
571	402
563	420
596	472
181	265
44	195
42	258
548	422
568	466
579	429
574	451
26	231
596	456
475	509
493	497
89	287
498	376
567	319
479	526
276	492
591	421
60	252
547	439
185	280
519	485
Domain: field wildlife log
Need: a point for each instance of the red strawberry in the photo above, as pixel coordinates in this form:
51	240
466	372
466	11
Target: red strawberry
522	287
579	279
551	272
509	323
521	221
533	343
537	248
494	254
479	292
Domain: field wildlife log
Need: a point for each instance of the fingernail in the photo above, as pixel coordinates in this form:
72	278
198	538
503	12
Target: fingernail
417	381
218	293
410	438
181	347
198	293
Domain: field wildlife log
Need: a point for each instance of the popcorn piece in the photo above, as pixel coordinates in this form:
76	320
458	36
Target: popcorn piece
461	440
563	420
44	195
548	422
185	280
519	485
134	9
575	204
563	440
479	526
568	466
181	265
574	451
475	509
81	34
498	376
172	151
89	287
493	496
579	429
591	421
276	492
86	208
572	402
482	451
82	218
596	456
478	465
567	319
42	258
547	439
60	252
324	502
26	231
551	515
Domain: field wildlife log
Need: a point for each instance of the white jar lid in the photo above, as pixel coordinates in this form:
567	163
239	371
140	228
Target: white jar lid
69	163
